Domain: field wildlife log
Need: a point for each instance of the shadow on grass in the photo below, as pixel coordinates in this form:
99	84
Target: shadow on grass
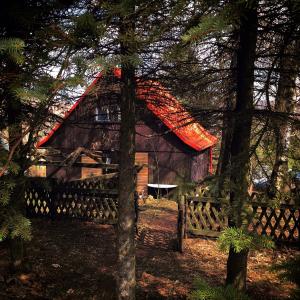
268	289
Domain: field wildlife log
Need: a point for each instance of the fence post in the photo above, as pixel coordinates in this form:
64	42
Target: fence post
181	224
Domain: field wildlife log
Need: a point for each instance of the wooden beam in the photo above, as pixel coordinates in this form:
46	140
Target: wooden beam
78	164
100	177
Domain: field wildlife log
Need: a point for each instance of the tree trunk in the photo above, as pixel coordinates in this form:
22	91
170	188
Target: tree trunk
126	281
17	250
240	146
224	157
224	162
17	206
16	202
285	103
237	269
126	225
223	168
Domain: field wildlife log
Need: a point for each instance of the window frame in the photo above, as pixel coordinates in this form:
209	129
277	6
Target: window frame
107	114
100	113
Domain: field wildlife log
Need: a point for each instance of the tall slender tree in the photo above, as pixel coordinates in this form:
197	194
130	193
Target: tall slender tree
31	44
286	99
126	281
240	145
285	104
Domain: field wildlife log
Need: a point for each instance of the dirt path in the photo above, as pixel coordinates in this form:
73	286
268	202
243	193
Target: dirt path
157	264
76	260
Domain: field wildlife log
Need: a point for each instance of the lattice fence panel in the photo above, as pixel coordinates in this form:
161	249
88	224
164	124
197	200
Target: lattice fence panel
280	223
89	184
38	200
206	216
83	204
72	199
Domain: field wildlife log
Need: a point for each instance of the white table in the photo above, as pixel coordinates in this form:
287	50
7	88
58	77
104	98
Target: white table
162	186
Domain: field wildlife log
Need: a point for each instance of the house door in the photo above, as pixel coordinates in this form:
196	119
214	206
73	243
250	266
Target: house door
141	158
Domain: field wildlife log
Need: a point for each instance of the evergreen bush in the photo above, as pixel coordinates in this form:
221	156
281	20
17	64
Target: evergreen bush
204	291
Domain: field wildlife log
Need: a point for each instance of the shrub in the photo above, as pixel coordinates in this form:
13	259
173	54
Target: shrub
240	240
204	291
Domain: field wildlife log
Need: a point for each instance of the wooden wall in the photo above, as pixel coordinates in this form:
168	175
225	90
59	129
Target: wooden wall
89	172
63	173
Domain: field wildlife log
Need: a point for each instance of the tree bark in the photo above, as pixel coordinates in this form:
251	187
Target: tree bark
224	161
237	269
126	280
223	168
285	103
16	202
224	157
15	135
240	146
17	251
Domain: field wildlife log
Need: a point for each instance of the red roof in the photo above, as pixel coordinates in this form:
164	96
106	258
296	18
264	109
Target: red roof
166	107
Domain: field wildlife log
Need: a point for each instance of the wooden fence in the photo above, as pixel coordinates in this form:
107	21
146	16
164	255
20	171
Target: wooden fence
208	217
87	200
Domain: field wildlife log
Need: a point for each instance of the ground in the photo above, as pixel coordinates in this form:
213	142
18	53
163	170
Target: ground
76	260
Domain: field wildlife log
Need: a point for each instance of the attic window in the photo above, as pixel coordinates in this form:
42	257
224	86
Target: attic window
102	114
107	113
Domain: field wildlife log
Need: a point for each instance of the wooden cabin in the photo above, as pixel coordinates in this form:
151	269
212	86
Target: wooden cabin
171	145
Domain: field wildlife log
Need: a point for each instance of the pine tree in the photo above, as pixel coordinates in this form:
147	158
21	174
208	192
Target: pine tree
31	43
126	226
138	37
285	102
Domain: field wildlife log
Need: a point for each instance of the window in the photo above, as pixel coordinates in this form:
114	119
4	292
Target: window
108	113
102	114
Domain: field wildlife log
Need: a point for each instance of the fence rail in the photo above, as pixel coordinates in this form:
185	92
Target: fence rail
209	216
85	200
